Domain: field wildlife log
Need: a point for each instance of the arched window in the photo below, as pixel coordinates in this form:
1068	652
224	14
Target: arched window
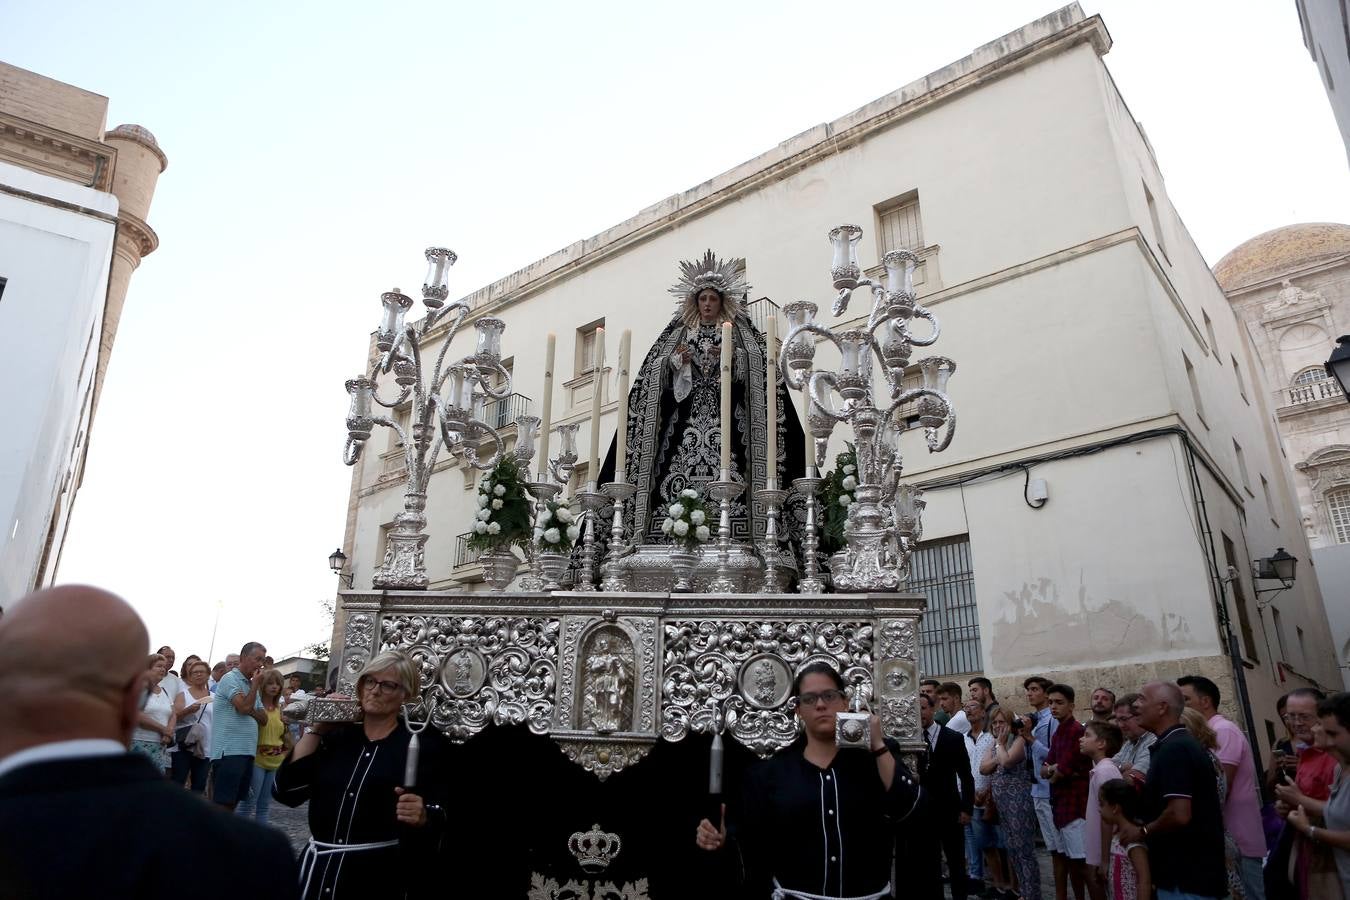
1310	375
1338	504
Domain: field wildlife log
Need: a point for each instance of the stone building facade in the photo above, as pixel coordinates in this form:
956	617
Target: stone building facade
74	203
1097	353
1291	289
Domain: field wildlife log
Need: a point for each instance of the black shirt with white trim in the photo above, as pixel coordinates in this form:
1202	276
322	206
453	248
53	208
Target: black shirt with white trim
823	831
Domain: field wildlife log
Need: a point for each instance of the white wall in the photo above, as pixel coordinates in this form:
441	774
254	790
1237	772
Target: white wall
55	262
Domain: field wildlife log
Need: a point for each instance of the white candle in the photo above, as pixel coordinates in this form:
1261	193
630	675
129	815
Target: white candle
726	400
771	398
546	426
598	379
621	453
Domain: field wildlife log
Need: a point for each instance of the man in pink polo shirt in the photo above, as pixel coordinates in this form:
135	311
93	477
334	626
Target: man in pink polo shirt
1242	809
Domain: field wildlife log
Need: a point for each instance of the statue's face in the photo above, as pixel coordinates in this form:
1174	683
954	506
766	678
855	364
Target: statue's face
709	305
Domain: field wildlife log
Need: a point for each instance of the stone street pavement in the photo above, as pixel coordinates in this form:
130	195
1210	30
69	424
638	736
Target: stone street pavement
294	822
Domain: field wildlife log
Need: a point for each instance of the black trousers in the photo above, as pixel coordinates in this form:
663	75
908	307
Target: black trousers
918	859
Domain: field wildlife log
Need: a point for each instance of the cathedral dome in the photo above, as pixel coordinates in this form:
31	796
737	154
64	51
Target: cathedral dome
1281	250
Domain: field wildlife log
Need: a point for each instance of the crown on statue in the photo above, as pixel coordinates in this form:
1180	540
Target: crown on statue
726	276
594	849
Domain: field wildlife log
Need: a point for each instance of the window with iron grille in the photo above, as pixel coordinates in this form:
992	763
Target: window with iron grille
900	227
949	639
1338	502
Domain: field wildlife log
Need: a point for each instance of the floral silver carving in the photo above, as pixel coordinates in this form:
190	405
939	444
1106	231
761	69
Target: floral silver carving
544	888
604	756
703	674
518	656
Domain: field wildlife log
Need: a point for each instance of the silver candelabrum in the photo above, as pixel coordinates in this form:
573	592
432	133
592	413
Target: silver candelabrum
447	407
884	522
553	475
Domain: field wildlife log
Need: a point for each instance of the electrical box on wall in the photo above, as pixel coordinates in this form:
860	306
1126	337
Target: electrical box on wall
1037	491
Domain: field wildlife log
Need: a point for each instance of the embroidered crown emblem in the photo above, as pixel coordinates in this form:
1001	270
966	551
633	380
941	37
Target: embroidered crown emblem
594	849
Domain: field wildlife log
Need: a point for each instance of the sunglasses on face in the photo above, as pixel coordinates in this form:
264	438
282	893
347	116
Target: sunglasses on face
812	699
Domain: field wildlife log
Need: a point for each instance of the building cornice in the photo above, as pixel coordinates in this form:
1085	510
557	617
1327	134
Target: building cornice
1049	36
139	231
1276	280
57	153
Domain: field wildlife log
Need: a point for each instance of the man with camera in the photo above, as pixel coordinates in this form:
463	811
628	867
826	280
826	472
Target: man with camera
818	818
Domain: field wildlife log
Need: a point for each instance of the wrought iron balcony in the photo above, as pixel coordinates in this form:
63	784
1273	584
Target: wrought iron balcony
465	556
501	413
761	309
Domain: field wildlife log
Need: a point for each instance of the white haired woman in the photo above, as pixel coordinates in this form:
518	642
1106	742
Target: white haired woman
361	810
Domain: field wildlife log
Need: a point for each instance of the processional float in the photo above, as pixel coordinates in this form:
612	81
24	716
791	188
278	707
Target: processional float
665	648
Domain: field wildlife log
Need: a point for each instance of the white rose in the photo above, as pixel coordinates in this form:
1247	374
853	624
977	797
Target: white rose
500	490
539	534
482	500
698	517
676	510
573	532
484	515
494	528
689	493
545	515
681	528
845	499
480	527
552	536
496	504
850	482
702	532
667	526
564	515
849	470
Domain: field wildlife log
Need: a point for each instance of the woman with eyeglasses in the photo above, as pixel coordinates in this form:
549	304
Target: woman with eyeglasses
818	820
369	824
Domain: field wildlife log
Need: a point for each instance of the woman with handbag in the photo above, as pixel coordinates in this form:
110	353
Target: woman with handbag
192	737
154	729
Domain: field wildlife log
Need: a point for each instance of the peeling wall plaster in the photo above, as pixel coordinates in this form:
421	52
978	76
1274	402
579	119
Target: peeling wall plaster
1036	625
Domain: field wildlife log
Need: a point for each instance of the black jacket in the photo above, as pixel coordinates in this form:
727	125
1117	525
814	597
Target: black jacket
941	770
113	826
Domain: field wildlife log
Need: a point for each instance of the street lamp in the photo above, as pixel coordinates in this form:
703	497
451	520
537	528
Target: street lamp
1279	567
337	562
1338	366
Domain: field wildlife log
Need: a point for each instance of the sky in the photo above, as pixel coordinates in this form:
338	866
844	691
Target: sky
315	149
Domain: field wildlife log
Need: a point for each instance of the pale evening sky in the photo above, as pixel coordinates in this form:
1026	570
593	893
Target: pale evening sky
316	148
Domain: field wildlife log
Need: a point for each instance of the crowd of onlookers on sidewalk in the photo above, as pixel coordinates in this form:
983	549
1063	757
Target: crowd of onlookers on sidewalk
219	730
1155	791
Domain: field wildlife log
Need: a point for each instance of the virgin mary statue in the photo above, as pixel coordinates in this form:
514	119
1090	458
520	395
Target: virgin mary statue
674	428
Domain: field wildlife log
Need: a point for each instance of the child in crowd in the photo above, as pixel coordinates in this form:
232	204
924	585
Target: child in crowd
1127	875
1100	742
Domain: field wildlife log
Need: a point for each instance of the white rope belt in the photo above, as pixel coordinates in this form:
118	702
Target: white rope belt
782	893
314	849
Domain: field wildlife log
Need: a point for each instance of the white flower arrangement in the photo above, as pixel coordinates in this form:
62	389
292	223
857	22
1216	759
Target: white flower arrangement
502	517
685	520
850	483
554	531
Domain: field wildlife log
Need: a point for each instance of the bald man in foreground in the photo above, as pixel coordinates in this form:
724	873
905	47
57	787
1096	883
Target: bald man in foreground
80	815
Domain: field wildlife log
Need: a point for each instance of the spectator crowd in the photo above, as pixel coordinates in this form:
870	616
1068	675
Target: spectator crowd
1154	791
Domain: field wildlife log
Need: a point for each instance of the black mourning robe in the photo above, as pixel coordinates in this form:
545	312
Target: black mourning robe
820	831
675	443
349	783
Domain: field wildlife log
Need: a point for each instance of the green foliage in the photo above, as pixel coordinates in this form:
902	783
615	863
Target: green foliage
503	517
693	518
836	497
558	527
